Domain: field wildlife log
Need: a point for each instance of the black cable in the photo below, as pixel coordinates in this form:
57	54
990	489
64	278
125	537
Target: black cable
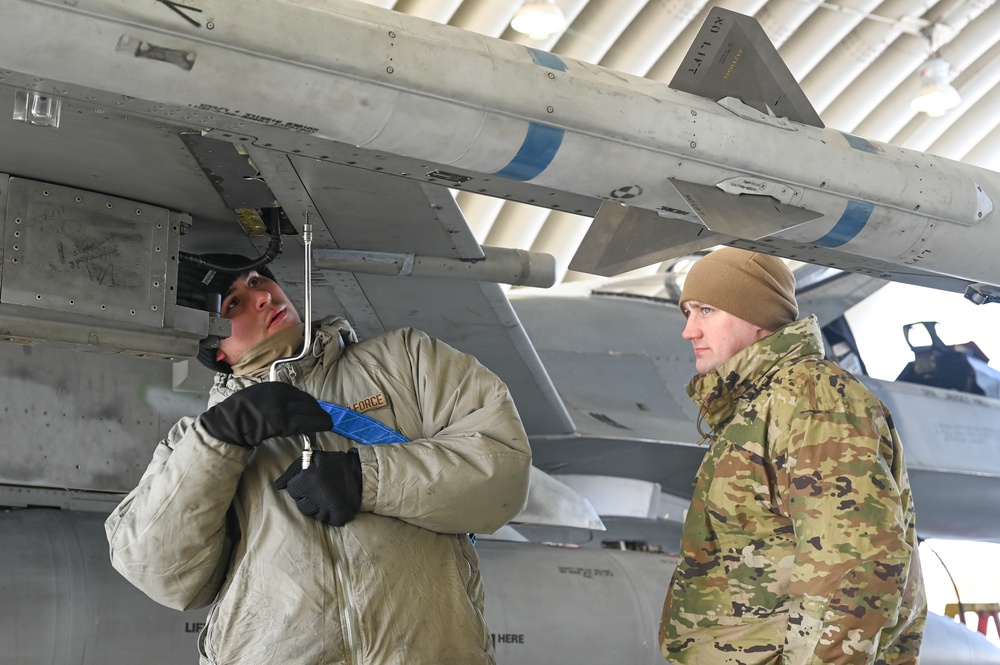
271	253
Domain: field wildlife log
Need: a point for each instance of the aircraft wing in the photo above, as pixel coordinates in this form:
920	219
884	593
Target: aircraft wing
84	202
395	94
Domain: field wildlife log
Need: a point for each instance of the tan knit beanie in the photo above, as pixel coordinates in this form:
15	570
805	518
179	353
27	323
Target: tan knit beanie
758	288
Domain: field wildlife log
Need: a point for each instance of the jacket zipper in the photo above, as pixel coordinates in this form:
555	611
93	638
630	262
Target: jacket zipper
348	612
468	593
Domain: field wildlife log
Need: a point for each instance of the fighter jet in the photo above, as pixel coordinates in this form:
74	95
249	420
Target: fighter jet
143	133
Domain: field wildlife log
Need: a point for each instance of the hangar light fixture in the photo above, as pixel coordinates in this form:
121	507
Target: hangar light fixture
539	18
936	95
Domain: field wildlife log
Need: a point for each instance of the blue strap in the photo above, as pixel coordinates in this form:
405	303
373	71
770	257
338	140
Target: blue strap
364	429
359	427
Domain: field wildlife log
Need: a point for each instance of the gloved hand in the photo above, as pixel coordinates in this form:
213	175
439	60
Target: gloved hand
329	490
264	410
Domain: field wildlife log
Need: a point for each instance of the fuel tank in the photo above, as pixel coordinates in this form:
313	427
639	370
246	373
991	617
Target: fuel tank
63	603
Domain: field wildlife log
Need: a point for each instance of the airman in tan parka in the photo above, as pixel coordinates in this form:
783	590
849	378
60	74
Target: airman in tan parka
364	557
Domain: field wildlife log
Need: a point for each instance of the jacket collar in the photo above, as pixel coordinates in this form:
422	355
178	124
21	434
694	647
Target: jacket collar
718	392
332	335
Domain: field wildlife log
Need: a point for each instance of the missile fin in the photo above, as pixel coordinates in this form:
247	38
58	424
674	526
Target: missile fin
747	216
554	503
732	56
623	238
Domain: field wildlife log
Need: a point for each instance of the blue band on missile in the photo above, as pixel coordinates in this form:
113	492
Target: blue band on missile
537	151
546	59
864	145
855	216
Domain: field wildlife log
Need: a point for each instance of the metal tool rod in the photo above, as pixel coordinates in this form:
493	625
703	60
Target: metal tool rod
307	333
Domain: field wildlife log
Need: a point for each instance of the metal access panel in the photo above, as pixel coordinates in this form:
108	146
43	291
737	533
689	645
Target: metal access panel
83	253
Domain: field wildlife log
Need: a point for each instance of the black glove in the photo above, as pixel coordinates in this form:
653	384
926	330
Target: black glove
329	490
264	410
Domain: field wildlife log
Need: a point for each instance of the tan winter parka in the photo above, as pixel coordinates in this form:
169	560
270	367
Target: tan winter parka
398	584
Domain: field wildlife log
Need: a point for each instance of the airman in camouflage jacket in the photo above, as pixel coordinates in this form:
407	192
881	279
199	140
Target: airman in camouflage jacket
799	545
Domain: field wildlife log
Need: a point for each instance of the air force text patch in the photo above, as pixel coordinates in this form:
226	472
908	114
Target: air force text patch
374	402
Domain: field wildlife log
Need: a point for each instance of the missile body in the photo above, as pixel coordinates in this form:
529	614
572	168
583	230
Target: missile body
297	75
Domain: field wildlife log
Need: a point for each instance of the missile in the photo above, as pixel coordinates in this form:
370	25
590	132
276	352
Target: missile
730	152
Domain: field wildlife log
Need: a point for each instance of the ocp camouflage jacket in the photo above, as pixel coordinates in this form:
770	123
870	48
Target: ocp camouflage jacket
400	583
799	545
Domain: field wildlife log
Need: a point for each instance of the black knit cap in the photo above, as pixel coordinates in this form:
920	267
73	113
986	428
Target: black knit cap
200	287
